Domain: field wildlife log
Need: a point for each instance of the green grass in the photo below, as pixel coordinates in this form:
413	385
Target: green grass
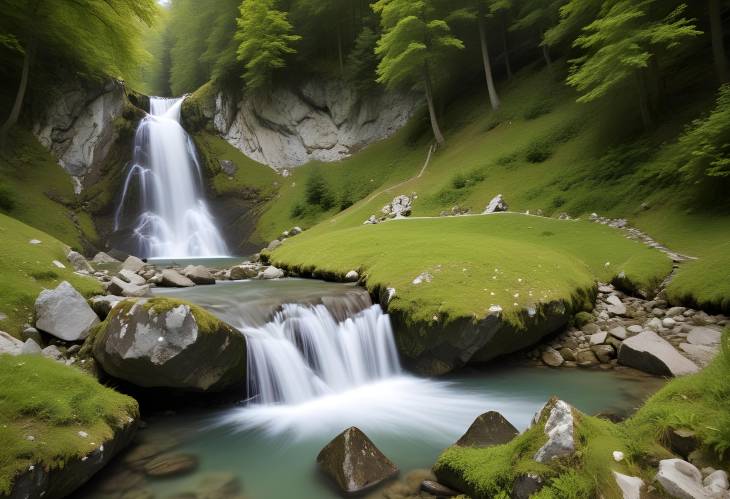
514	261
699	402
52	403
27	269
42	191
542	151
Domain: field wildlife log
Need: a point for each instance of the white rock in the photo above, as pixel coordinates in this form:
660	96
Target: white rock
496	205
681	480
30	347
131	277
615	305
701	355
121	288
352	276
78	262
635	329
654	324
58	264
618	456
421	278
64	313
598	338
704	335
272	273
34	241
619	332
133	263
668	322
630	486
559	429
717	483
650	353
9	344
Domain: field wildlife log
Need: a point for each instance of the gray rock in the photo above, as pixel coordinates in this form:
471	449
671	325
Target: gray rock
31	333
103	305
717	481
707	336
295	231
30	347
701	355
352	276
598	338
168	348
650	353
635	329
199	274
133	263
590	329
121	288
173	279
604	353
272	273
681	480
559	429
496	205
683	442
552	357
79	263
273	245
64	313
52	352
9	344
437	489
228	167
568	354
525	486
131	277
615	305
241	272
630	486
668	322
491	428
102	257
586	358
354	462
315	120
401	206
619	332
675	311
654	324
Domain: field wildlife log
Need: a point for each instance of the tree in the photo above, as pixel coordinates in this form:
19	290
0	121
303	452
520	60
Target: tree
718	40
501	9
538	15
414	41
264	36
574	16
362	62
619	47
478	13
91	37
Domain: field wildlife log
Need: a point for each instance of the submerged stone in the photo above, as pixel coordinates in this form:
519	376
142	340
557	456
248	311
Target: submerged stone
354	462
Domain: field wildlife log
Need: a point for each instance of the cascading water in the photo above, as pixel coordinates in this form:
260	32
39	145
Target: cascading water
173	219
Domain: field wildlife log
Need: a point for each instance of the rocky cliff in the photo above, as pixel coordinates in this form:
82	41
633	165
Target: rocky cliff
79	124
289	126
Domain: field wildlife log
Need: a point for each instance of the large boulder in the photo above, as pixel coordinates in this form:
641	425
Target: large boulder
630	486
133	263
354	463
199	274
650	353
491	428
682	480
166	343
131	277
173	279
64	313
559	428
241	272
78	262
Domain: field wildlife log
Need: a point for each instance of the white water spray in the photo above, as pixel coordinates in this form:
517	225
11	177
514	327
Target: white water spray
174	221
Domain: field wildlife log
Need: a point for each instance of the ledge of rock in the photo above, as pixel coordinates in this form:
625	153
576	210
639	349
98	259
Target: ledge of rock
163	343
290	126
650	353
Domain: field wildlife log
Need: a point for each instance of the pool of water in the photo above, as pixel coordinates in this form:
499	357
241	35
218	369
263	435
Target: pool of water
272	448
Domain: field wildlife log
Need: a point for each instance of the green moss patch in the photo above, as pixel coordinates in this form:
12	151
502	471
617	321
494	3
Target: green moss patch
28	268
698	403
704	283
43	407
469	264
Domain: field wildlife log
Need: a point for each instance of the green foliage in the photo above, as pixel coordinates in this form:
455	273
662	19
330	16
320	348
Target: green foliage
620	44
414	39
583	318
265	39
52	403
7	198
318	191
95	38
573	484
362	62
705	145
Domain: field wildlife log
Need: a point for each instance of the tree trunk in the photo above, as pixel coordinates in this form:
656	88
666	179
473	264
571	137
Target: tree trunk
339	49
431	107
493	97
644	107
718	41
505	47
546	56
20	95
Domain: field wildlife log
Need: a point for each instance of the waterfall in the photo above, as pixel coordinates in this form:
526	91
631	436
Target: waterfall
173	219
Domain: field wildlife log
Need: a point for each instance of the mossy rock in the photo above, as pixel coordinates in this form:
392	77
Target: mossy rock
167	343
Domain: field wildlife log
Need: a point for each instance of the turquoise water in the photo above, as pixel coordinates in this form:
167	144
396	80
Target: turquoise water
272	449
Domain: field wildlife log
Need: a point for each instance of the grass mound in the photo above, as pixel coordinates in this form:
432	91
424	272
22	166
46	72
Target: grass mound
28	268
43	407
469	264
698	403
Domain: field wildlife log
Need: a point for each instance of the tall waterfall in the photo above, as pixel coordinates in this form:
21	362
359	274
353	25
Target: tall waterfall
173	220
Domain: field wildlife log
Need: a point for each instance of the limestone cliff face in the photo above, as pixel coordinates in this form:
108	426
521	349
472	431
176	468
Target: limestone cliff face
319	120
78	126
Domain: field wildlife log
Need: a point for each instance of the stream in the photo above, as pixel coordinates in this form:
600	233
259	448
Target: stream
322	358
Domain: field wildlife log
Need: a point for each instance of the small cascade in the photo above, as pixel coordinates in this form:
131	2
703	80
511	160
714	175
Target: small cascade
173	219
305	353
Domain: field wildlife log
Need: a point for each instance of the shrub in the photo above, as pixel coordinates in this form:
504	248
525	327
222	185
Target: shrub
539	108
346	200
459	181
298	210
539	151
583	318
318	192
7	198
